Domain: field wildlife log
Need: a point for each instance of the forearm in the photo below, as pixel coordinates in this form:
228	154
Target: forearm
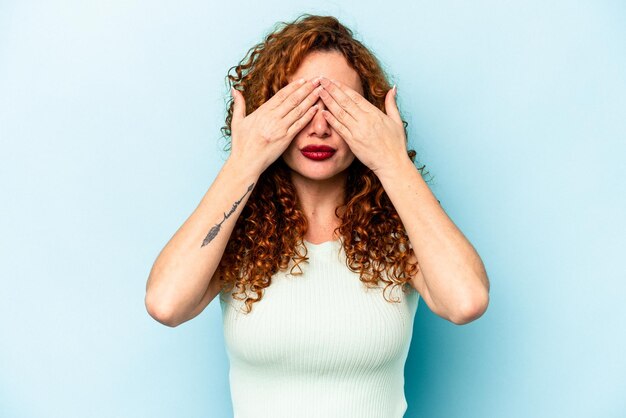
452	270
182	271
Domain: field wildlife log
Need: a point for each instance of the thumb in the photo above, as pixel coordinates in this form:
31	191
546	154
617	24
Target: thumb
391	107
239	105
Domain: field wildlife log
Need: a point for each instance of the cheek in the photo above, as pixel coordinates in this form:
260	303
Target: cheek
292	145
349	155
345	147
289	153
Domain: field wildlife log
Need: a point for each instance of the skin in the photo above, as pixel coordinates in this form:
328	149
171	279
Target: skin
320	185
451	280
182	281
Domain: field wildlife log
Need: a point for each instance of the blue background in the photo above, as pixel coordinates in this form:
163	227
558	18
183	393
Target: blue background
109	128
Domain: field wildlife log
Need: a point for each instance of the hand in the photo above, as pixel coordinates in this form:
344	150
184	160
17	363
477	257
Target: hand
258	139
376	139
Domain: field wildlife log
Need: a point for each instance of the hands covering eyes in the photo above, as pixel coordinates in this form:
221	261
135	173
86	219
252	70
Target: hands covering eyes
376	139
259	138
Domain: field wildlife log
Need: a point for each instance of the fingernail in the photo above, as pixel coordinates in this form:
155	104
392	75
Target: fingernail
395	90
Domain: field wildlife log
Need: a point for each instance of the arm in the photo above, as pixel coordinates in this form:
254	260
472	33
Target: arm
452	278
178	285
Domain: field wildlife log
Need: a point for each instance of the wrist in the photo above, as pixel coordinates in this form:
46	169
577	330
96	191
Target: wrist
237	168
399	170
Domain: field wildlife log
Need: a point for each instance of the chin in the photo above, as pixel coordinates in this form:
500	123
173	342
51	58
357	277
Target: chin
319	173
310	173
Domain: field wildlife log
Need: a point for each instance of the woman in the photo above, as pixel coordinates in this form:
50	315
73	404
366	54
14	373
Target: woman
317	214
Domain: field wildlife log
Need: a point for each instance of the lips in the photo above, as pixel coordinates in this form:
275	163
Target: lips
318	152
318	148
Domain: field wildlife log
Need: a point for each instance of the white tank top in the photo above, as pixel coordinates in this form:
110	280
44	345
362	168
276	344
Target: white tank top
320	344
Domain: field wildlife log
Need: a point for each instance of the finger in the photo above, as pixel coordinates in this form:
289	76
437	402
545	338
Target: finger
341	98
338	126
337	110
297	112
391	106
296	97
239	106
356	97
299	124
285	92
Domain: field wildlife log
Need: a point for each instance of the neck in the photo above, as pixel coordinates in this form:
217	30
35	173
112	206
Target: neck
318	200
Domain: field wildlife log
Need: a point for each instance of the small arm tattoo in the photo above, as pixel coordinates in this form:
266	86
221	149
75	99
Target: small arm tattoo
216	229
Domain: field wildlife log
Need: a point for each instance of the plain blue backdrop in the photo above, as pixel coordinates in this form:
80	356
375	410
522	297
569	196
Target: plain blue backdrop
109	127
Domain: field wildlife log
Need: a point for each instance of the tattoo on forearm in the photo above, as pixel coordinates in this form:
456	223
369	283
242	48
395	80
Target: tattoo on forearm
216	229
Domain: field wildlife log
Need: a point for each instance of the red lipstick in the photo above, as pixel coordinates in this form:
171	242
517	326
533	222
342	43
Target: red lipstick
318	152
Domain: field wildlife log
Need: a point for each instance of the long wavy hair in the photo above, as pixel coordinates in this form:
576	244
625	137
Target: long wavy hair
268	234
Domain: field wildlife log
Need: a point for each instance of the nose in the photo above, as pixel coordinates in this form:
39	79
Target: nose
319	126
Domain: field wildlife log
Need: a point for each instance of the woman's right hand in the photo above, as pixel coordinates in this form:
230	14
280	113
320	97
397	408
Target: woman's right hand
259	138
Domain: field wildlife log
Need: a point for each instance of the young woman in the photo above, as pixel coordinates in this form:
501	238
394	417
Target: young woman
317	216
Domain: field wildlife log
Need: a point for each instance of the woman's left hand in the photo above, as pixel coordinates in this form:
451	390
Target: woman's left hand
376	139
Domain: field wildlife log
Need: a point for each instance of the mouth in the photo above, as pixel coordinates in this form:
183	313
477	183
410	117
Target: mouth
318	152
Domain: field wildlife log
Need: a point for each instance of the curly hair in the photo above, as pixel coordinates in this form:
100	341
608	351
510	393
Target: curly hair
268	233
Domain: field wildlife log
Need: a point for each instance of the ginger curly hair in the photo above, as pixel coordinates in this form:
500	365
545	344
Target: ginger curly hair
268	233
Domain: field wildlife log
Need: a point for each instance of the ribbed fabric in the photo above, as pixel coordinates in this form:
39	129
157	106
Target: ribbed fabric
319	344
